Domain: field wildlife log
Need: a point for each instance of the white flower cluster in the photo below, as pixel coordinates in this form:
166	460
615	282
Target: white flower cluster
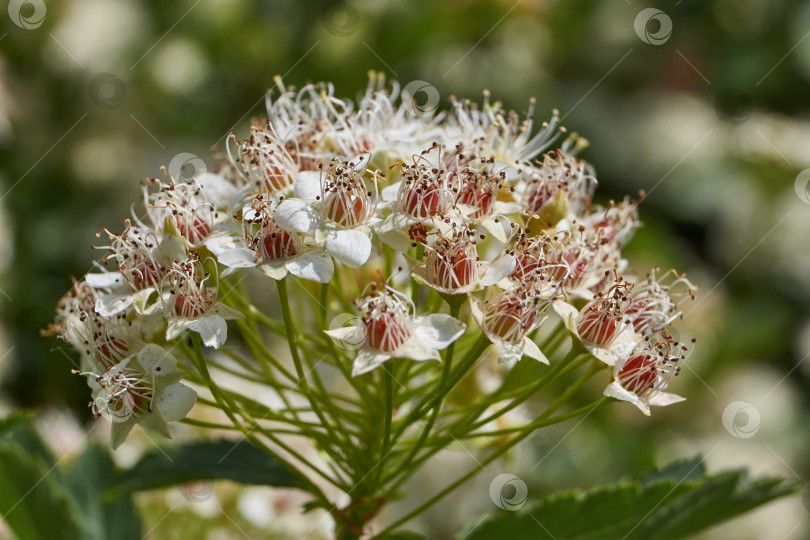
472	199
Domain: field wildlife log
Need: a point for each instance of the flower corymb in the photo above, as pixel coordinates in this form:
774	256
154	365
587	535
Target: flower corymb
380	281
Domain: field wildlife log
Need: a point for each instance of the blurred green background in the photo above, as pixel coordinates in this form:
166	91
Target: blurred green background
712	120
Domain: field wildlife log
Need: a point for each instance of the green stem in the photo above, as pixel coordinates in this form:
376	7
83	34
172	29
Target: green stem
495	455
299	368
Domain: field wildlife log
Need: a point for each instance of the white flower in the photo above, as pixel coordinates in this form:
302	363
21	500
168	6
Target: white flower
388	329
641	379
275	251
656	302
507	320
141	389
336	209
601	326
491	131
478	200
452	267
189	305
143	258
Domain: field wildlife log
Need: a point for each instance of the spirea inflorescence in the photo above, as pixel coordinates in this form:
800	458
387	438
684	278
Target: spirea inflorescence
390	214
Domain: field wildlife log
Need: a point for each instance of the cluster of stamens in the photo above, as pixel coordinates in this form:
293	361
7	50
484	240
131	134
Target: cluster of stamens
599	322
346	201
190	297
452	261
653	365
184	205
132	250
386	317
512	314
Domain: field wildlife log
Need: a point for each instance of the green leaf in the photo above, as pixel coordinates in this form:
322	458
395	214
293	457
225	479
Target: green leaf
32	501
90	475
208	460
674	502
17	427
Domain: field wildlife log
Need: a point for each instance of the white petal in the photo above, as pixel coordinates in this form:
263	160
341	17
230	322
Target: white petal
498	269
108	305
662	399
396	221
157	359
308	185
568	314
352	333
360	162
175	402
221	243
212	329
477	312
104	280
507	168
348	246
276	270
237	258
531	350
616	391
390	193
604	355
497	229
140	299
416	349
217	190
439	330
367	360
315	266
294	215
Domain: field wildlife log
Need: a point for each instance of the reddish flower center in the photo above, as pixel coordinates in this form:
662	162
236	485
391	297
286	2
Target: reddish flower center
452	268
596	327
641	315
276	178
193	228
344	208
190	305
478	198
386	331
111	351
539	194
424	200
277	244
639	375
145	275
510	319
